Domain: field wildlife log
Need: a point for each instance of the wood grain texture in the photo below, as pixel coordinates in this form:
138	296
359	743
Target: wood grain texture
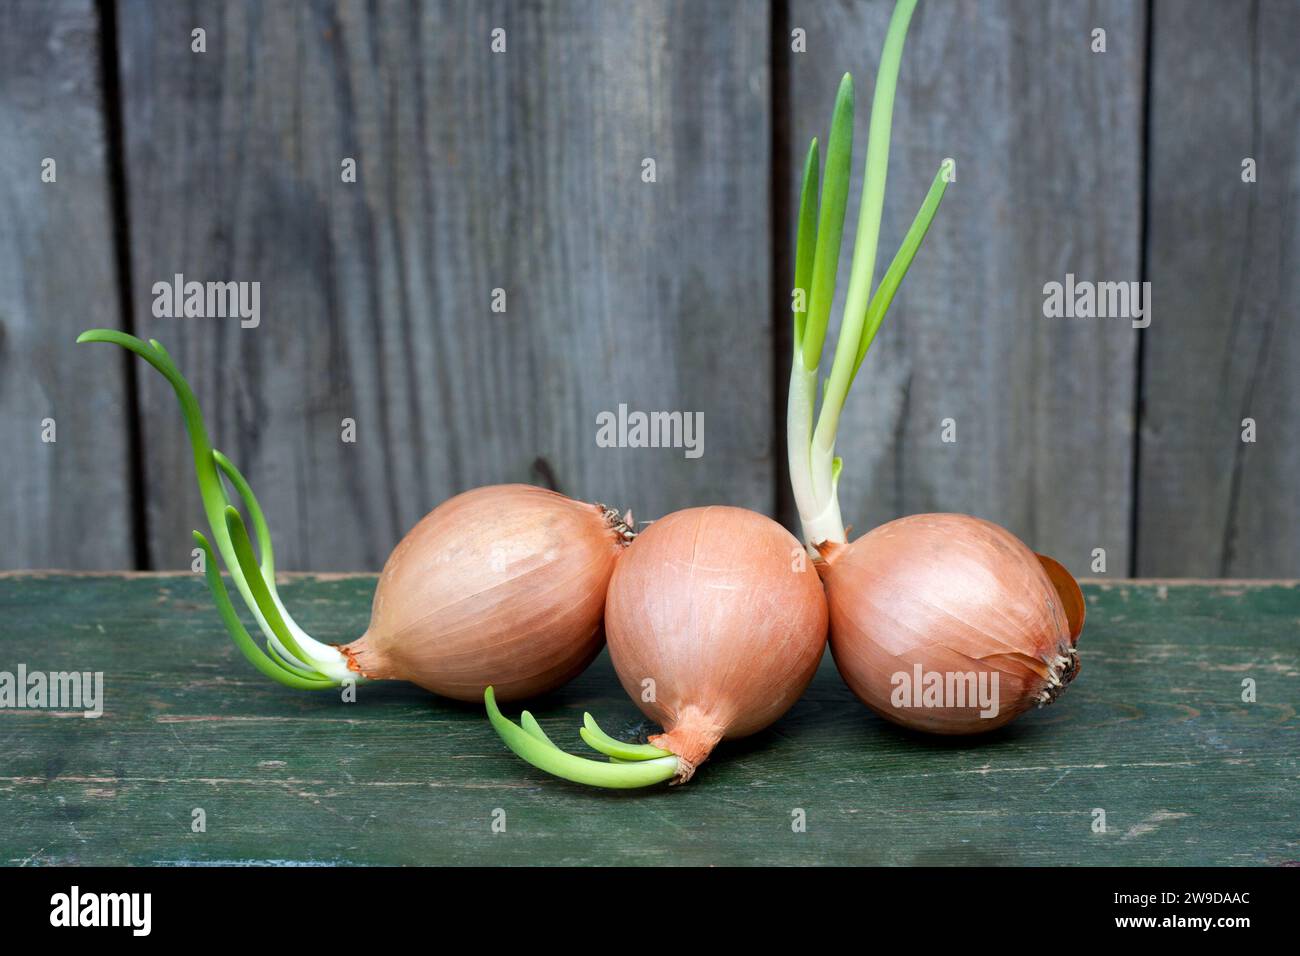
1224	256
1154	731
1047	138
476	171
65	503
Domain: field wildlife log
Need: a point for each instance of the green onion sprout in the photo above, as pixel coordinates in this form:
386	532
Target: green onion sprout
629	765
290	656
814	469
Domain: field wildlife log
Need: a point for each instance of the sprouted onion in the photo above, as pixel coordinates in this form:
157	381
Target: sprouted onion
503	585
944	623
949	624
716	622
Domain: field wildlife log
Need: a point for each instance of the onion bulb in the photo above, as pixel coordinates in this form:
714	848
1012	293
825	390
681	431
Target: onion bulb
949	624
716	622
931	611
503	585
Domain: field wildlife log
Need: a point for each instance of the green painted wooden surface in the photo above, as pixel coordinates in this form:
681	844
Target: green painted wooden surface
1154	732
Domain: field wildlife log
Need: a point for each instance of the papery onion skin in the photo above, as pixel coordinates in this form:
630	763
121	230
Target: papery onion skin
720	608
503	585
954	594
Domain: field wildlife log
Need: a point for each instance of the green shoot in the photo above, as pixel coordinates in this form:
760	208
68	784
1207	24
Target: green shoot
254	512
871	207
292	656
600	741
531	744
814	468
884	295
260	659
261	593
803	267
530	724
830	225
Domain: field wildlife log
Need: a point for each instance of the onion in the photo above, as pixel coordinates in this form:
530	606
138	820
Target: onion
949	624
716	607
503	585
716	623
923	609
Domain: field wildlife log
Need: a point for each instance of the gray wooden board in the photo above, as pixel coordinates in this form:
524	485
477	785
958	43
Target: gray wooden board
476	171
65	502
1154	732
522	171
1047	138
1224	256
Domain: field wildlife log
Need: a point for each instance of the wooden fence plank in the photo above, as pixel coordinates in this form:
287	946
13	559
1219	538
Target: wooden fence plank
1047	141
520	171
65	503
1224	256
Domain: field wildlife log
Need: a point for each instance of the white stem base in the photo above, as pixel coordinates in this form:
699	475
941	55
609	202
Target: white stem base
825	526
326	660
812	469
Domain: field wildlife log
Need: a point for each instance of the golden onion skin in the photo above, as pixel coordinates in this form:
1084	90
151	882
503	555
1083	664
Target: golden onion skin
722	610
503	585
956	595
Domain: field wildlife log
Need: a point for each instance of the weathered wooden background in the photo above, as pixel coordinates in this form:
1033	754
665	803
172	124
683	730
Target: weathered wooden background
522	171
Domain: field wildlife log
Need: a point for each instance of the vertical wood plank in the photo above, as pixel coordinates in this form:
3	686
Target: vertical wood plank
476	171
1047	138
65	503
1223	257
